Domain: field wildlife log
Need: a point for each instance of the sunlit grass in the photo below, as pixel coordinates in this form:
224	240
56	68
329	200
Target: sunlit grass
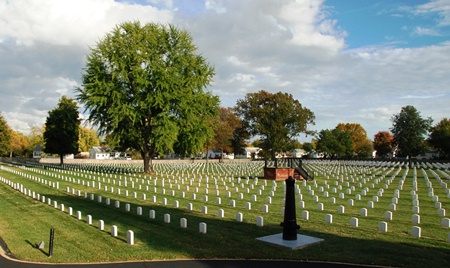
25	221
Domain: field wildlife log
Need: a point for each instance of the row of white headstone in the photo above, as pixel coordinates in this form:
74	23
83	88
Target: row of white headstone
370	203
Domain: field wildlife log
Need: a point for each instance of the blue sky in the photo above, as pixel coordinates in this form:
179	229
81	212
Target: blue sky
387	23
348	61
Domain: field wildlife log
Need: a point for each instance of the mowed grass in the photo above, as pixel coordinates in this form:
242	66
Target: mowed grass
25	221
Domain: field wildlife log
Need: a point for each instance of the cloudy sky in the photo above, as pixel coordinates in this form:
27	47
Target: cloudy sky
348	61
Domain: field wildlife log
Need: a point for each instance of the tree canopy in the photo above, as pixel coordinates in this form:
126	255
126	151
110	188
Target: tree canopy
61	129
360	143
145	85
440	137
226	125
409	129
19	144
5	136
277	118
382	143
334	143
87	139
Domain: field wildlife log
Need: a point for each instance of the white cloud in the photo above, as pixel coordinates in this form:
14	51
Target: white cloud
68	22
441	7
216	6
425	31
275	45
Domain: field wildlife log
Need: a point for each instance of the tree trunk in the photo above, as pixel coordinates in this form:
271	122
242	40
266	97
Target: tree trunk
148	165
61	157
409	161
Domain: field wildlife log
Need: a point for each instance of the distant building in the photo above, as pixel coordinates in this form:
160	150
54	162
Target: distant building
98	152
250	152
37	151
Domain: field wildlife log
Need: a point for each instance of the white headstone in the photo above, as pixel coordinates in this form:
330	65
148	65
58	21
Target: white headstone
183	223
388	215
328	218
416	231
363	212
202	227
151	214
239	217
383	226
354	222
259	221
167	218
114	230
305	215
130	237
221	213
320	206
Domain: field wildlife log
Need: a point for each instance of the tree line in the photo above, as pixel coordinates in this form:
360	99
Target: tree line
144	88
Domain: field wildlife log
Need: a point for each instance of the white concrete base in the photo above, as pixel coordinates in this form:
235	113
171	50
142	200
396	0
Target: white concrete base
301	242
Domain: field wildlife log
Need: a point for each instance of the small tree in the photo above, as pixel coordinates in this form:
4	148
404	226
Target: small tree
334	143
409	130
440	137
5	136
360	142
382	143
277	118
87	139
19	144
34	138
61	129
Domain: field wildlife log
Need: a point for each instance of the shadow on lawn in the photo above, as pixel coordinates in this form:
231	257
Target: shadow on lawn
238	239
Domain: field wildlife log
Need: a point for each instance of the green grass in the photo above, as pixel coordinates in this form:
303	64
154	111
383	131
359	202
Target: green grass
24	221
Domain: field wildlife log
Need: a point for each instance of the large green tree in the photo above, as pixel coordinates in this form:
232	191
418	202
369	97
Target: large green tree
61	129
440	137
5	136
334	143
277	118
409	130
145	86
382	143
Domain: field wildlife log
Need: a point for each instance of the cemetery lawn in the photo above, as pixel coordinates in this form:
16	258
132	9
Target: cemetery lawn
26	221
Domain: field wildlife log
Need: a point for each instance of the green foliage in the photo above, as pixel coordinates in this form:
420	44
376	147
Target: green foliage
360	142
308	147
34	138
382	143
278	118
61	129
335	143
409	129
144	85
19	144
440	137
227	127
5	136
87	139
